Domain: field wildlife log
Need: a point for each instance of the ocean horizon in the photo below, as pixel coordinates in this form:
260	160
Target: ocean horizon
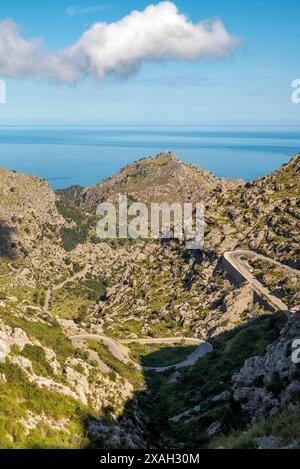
86	155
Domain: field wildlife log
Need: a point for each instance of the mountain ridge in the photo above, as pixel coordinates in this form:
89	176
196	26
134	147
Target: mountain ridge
156	179
59	281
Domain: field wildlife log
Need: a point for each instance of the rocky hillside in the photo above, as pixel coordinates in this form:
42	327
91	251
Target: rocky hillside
163	178
49	390
267	390
275	202
264	215
28	213
58	281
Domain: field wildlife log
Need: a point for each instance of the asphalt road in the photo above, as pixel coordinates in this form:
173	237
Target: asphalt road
236	261
119	351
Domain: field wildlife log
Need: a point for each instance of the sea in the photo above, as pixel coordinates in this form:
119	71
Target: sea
86	155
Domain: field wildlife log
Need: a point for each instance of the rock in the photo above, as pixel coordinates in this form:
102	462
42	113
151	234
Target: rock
118	434
224	396
295	445
4	350
79	382
265	385
34	420
293	407
292	390
214	429
51	357
12	336
268	442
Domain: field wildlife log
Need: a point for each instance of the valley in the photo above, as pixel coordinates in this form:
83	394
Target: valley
141	343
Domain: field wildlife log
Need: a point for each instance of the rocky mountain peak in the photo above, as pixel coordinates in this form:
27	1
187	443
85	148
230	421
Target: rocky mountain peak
162	178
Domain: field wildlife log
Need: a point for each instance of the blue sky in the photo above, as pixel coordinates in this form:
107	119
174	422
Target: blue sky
252	87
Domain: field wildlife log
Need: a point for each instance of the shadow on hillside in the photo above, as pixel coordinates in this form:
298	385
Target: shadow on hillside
8	245
197	258
146	417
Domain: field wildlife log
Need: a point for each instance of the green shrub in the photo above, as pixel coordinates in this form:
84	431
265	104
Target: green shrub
37	356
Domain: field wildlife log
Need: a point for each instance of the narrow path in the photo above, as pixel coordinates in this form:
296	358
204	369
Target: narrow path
94	357
47	300
50	290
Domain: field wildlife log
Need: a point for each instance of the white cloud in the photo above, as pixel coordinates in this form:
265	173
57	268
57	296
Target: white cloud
18	57
158	33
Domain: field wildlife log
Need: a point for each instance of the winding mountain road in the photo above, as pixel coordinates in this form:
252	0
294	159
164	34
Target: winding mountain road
118	350
243	270
122	353
235	260
235	265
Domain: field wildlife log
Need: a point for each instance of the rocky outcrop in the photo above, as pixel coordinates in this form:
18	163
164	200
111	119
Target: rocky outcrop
121	433
25	195
163	178
267	385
